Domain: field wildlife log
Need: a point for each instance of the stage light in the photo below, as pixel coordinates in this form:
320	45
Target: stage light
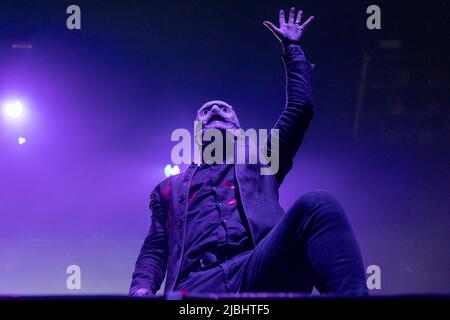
21	140
13	109
175	170
171	171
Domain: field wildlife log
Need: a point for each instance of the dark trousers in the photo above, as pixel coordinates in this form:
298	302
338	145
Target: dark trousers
313	245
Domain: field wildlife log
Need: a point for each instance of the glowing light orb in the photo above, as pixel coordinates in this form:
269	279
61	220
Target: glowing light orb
171	171
14	109
21	140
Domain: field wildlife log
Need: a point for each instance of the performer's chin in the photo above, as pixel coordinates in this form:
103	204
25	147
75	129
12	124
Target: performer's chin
219	125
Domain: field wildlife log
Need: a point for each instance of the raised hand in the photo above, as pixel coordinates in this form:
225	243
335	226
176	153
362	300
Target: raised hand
289	32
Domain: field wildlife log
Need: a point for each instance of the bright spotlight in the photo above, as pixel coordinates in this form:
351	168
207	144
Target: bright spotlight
171	171
175	170
13	109
21	140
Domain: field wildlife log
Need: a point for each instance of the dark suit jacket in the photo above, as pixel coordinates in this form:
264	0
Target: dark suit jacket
163	248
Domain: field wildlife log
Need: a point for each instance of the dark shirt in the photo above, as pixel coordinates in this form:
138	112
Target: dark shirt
214	222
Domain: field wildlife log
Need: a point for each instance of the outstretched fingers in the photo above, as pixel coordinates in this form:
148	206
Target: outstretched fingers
299	17
282	18
307	23
276	31
291	15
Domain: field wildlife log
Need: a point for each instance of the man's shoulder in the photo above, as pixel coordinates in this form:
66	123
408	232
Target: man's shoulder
164	184
169	181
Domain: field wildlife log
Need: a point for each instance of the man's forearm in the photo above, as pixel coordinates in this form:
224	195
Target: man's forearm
152	261
298	111
293	52
299	93
150	268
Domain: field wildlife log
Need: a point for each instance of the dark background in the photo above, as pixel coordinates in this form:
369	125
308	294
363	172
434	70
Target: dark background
102	102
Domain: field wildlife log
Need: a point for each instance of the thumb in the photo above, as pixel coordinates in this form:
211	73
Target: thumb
269	25
272	28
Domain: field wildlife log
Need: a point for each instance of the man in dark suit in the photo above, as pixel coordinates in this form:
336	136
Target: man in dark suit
219	227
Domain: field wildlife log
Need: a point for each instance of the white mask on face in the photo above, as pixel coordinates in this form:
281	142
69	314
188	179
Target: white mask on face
217	114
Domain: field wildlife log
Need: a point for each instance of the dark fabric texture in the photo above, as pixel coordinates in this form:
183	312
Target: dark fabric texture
214	223
313	245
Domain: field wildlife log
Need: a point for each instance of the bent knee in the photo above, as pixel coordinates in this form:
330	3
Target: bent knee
318	202
316	197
